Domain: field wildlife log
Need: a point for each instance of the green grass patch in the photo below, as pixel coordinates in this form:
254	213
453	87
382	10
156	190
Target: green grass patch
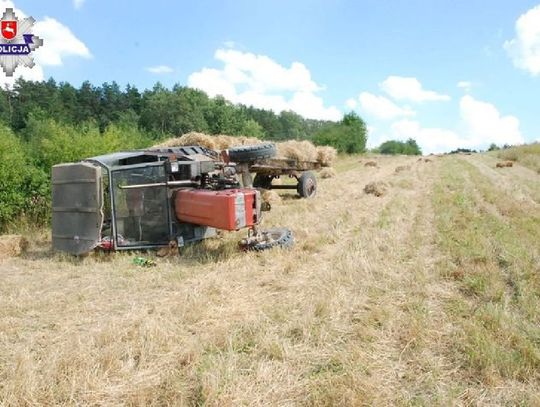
493	260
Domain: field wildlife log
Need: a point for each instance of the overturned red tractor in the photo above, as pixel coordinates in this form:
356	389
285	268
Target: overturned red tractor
157	197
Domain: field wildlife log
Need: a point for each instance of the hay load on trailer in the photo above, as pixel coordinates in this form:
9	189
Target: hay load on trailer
268	162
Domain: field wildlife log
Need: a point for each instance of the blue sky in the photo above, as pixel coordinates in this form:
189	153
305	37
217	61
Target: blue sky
397	63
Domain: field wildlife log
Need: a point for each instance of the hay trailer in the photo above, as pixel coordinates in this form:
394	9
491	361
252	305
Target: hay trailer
259	160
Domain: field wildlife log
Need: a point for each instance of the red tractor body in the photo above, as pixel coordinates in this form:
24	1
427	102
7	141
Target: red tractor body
230	209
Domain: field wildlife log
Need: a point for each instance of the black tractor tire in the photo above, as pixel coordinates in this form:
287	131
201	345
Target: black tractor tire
307	185
262	181
247	154
281	237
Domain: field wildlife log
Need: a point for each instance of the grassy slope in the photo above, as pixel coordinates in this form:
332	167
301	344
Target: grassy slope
427	295
527	155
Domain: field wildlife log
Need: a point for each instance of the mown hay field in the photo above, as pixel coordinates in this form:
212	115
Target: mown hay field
428	294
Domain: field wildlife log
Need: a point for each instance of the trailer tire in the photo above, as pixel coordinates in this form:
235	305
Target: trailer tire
262	181
281	237
307	185
246	154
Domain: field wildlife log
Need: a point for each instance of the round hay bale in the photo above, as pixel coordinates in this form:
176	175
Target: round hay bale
326	155
371	164
377	188
271	197
297	150
401	168
12	245
328	172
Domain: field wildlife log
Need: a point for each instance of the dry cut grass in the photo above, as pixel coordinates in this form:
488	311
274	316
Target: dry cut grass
527	155
426	295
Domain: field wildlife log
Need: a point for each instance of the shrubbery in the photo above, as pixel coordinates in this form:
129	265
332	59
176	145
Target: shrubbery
23	187
348	136
409	147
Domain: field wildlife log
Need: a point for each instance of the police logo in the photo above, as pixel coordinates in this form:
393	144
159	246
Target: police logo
17	42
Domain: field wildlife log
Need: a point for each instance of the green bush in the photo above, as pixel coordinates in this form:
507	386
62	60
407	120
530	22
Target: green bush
53	143
24	189
347	136
392	147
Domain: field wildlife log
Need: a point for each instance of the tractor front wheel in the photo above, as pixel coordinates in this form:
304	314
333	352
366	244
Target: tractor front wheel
274	237
307	185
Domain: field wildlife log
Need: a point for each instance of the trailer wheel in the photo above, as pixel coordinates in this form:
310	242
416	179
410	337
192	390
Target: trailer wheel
246	154
277	237
262	181
307	185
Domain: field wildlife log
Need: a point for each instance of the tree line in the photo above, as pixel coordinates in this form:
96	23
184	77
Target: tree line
46	123
158	112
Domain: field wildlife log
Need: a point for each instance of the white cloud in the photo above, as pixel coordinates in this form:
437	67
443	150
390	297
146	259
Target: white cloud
78	3
351	103
525	48
431	140
481	122
59	42
381	107
403	88
160	69
465	85
260	81
485	124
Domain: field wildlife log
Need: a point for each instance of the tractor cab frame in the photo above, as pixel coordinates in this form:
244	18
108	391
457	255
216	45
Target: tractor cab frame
124	200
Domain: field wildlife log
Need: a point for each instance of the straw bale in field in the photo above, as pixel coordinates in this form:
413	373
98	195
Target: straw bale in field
297	150
326	155
328	172
504	164
12	245
401	168
371	164
271	197
377	188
